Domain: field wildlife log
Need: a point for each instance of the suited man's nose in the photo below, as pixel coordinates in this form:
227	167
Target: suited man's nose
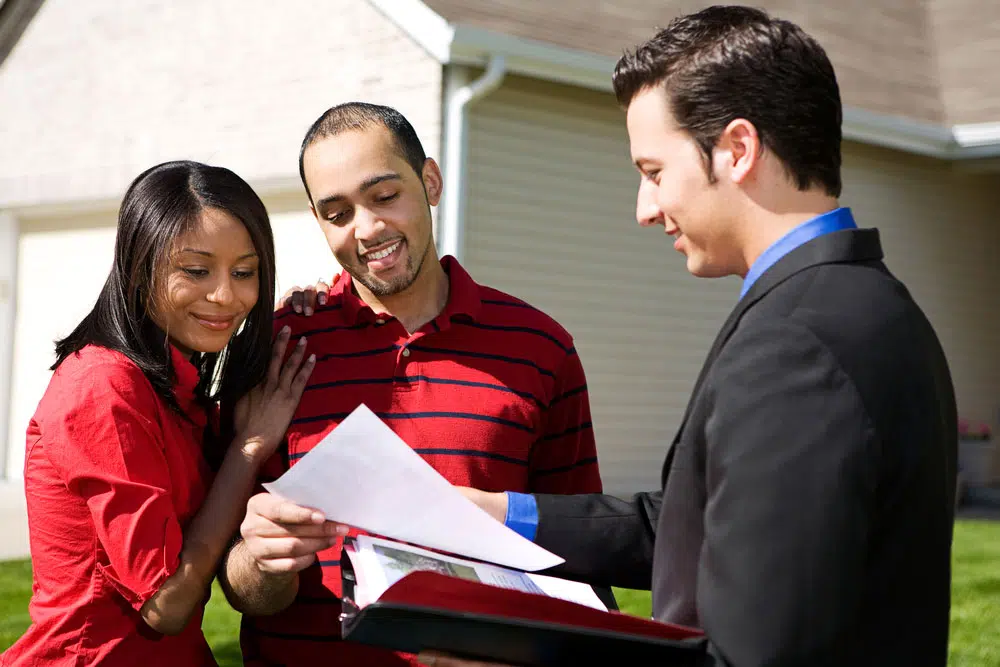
647	211
648	214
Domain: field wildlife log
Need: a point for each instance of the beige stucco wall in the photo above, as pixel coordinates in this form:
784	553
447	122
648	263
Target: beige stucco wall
97	91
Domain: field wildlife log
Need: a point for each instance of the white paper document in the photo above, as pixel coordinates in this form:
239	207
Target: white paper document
363	475
379	563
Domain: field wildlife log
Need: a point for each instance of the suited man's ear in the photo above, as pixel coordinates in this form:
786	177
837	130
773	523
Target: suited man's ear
738	151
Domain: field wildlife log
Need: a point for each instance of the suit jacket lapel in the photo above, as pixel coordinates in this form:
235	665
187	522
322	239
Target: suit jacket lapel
854	245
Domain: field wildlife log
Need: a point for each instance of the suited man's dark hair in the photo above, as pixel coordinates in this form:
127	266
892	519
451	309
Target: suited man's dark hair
160	205
354	116
729	62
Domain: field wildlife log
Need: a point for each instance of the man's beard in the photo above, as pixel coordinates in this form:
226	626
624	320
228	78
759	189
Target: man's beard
382	288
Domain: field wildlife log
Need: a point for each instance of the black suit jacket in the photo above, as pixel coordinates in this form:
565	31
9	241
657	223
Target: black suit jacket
808	497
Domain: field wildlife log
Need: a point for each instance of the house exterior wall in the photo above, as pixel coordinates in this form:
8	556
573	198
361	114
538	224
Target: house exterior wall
96	92
551	192
551	220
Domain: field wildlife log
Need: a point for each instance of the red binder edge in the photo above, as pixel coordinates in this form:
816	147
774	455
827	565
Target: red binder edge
440	591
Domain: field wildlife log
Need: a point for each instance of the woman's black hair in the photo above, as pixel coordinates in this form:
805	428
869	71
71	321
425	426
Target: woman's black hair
160	205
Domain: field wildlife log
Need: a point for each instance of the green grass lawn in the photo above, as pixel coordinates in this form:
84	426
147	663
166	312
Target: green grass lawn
975	612
975	599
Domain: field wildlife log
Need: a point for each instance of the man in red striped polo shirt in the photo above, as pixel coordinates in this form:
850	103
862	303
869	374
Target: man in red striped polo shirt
489	390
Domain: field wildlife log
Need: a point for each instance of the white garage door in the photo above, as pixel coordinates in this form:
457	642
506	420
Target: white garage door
62	264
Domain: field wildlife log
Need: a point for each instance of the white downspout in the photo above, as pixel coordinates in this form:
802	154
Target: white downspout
451	229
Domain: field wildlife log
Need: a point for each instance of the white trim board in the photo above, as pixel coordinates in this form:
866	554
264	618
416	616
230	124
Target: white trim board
466	45
8	311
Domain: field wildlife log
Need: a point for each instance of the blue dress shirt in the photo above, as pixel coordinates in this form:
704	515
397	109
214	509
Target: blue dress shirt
522	509
834	221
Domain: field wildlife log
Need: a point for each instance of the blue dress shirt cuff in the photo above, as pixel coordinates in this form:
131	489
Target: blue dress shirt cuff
522	514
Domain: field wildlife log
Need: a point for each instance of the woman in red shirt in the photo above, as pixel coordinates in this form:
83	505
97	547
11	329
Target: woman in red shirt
134	486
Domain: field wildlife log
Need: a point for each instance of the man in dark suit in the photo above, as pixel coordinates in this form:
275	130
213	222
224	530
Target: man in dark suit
806	511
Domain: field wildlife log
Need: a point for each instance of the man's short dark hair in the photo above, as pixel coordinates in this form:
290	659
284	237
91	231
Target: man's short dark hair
729	62
352	116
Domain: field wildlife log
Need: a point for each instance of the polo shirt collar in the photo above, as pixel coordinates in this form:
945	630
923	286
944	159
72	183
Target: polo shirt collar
342	293
463	295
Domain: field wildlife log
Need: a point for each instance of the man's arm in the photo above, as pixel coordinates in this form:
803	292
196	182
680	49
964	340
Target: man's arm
251	591
791	476
605	540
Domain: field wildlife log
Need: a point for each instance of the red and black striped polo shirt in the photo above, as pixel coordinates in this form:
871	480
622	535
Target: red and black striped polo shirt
491	393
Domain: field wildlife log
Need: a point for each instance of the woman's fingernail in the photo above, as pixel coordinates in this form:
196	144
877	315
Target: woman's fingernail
302	341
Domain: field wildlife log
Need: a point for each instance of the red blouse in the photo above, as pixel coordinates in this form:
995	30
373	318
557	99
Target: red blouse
112	476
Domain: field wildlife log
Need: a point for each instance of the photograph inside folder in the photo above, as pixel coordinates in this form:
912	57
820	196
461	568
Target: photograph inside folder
378	563
404	598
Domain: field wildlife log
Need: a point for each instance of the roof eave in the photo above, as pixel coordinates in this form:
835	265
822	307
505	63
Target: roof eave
958	142
467	45
474	46
457	44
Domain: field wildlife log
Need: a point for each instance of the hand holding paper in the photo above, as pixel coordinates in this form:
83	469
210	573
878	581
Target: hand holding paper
362	474
284	538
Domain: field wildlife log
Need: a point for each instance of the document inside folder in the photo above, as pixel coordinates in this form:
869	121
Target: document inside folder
379	563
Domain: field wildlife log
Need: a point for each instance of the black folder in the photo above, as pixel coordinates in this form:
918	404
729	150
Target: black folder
433	611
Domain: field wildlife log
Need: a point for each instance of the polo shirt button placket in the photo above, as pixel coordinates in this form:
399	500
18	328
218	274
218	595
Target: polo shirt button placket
401	365
400	384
